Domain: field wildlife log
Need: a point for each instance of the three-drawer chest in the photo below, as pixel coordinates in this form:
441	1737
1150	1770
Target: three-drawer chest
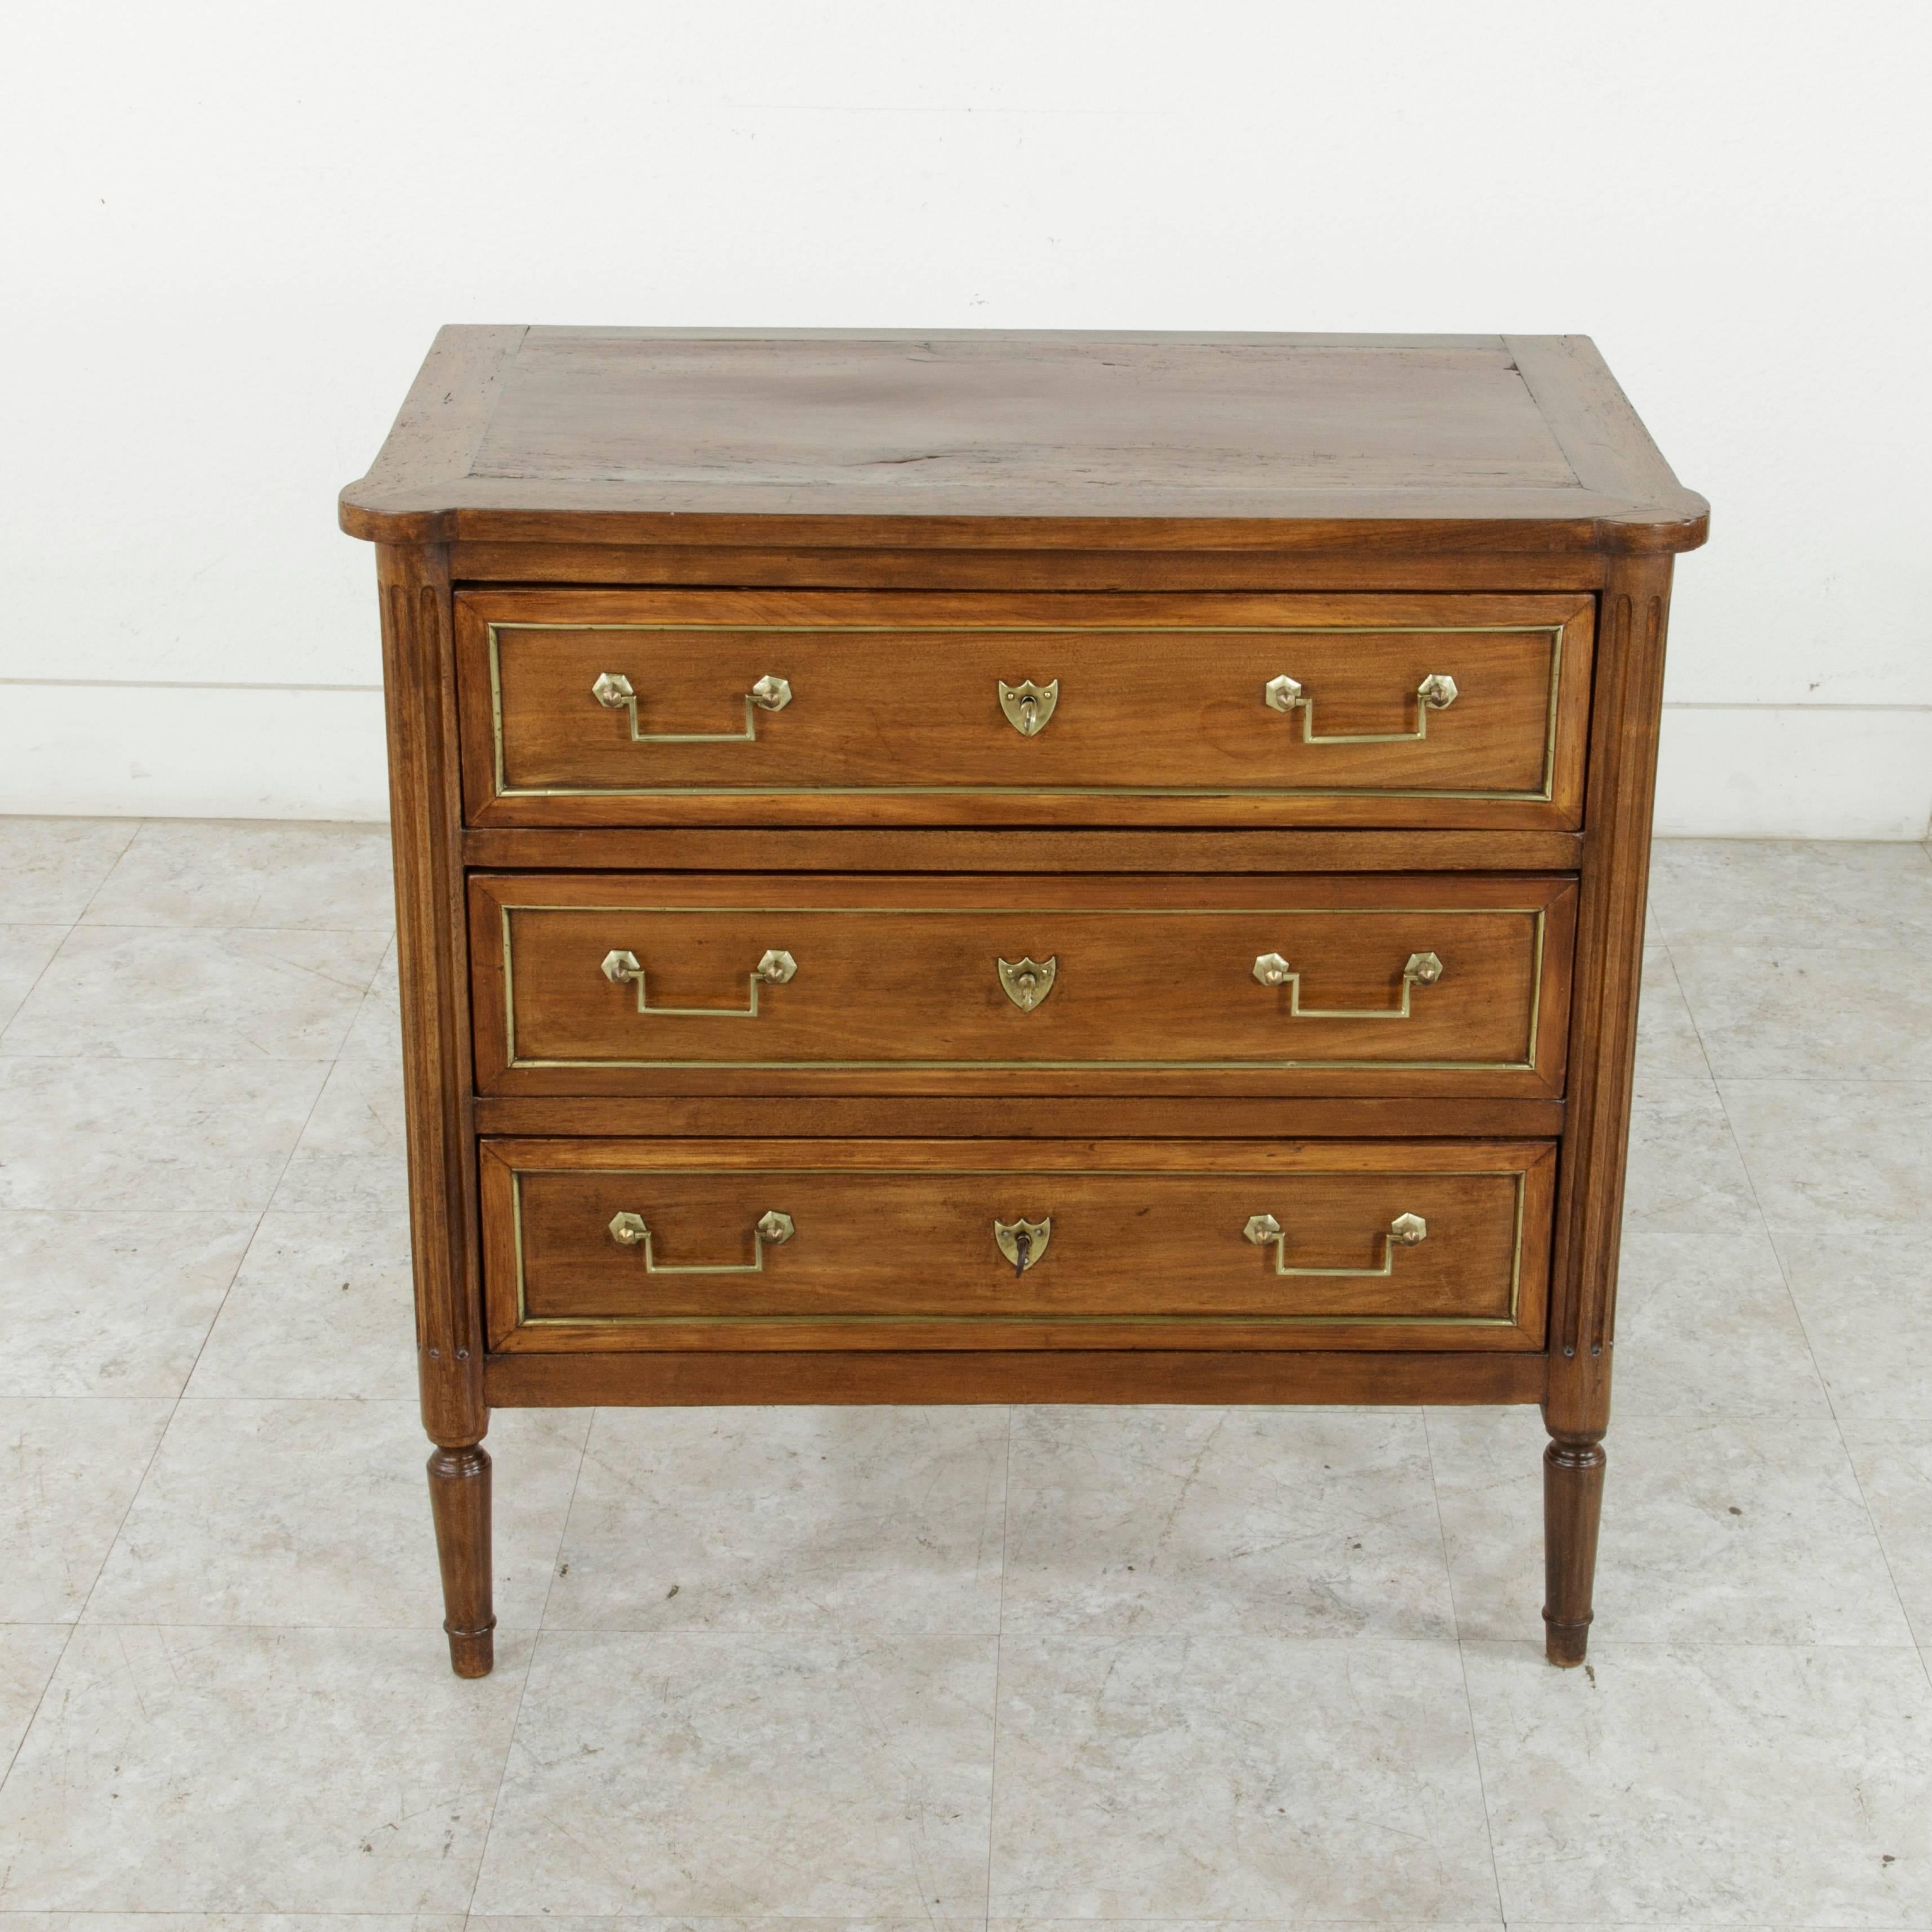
966	867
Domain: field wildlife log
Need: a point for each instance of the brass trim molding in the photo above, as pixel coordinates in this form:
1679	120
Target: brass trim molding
1518	1176
504	789
1537	915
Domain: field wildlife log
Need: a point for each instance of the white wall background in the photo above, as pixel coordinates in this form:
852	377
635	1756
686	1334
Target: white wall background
231	229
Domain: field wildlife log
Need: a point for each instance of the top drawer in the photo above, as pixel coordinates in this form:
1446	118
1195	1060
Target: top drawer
605	708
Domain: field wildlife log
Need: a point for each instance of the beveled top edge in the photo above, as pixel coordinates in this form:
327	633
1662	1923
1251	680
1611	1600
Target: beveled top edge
1236	338
424	487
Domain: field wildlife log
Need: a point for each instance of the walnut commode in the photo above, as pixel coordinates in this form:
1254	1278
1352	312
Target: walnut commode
1018	868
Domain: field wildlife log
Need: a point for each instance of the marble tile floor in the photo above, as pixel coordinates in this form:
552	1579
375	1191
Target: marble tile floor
899	1668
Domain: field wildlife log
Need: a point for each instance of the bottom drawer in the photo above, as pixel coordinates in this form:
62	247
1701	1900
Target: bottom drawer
709	1245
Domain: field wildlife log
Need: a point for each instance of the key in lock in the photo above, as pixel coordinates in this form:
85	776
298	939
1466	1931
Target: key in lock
1022	1242
1028	706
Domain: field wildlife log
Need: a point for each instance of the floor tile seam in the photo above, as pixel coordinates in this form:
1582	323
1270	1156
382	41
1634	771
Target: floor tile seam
329	1059
160	1214
1482	1783
6	1396
999	1664
288	1624
47	966
1834	1646
530	1664
1462	1662
222	925
136	827
94	1584
1770	1234
509	1745
143	825
563	1528
34	1716
1789	1415
1697	1032
370	990
295	1145
174	1410
348	1401
830	1632
844	1632
1441	1526
1817	1367
248	1248
1603	1642
1807	1645
1778	945
1798	1314
1823	1079
201	1347
1878	1534
366	928
133	1495
352	984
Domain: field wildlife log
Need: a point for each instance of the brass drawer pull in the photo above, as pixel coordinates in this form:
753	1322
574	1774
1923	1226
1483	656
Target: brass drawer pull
1435	692
613	691
1022	1242
1422	969
1405	1232
1028	706
773	970
772	1231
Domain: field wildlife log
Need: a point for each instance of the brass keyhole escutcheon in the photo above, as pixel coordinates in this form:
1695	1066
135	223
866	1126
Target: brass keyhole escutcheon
1023	1243
1029	706
1028	982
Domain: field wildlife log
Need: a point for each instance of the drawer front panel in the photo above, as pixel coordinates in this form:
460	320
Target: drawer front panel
914	1244
1449	711
593	982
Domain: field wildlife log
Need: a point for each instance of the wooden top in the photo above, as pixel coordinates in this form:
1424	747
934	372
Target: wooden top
957	438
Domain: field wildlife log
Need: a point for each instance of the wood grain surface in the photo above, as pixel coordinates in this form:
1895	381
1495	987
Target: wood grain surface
894	1245
1014	851
897	982
818	1114
955	438
677	1379
895	714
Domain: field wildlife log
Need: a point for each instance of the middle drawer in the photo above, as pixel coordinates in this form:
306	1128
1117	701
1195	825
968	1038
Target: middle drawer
1448	984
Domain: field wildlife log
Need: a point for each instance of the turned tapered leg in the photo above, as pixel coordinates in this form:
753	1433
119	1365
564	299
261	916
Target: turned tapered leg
1572	1502
459	1496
